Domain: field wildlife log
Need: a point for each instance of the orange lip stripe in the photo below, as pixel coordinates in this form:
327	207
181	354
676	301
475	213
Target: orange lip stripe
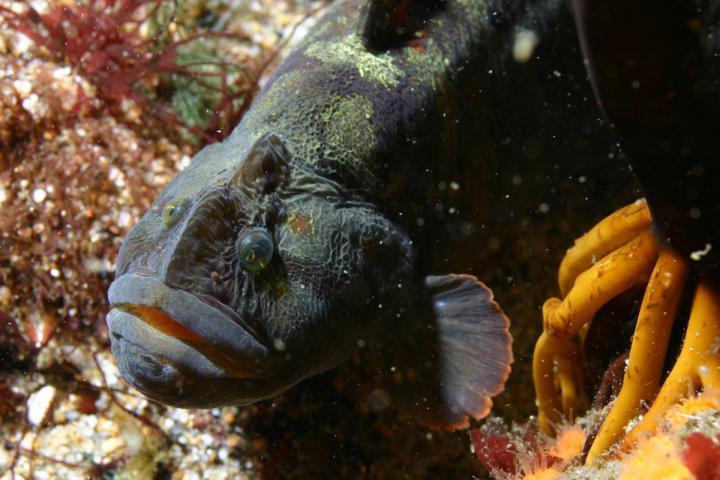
164	323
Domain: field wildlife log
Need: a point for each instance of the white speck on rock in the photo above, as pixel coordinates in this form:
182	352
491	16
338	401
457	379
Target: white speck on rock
23	87
38	195
39	404
124	219
60	73
32	104
22	42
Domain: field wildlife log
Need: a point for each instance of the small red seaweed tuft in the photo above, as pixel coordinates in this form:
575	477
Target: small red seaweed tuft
702	456
518	452
495	451
104	41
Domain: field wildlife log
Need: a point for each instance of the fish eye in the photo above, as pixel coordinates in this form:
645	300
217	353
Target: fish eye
255	249
173	212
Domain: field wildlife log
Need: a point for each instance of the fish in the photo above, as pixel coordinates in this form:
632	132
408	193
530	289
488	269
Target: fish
343	213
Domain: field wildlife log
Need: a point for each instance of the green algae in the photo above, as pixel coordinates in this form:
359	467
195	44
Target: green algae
350	131
351	53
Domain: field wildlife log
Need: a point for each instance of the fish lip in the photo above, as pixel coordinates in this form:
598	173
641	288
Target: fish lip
123	325
175	373
214	326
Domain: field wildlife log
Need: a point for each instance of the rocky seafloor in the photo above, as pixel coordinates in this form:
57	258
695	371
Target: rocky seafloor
77	172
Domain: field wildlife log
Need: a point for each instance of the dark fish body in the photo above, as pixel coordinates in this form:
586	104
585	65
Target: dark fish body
346	209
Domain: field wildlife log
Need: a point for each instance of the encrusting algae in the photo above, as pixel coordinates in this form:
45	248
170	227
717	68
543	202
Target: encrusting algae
685	446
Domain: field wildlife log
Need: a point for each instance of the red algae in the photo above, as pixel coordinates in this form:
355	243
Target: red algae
702	456
522	451
107	42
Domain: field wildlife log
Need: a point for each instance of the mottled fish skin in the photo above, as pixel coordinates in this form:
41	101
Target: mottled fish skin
338	158
341	109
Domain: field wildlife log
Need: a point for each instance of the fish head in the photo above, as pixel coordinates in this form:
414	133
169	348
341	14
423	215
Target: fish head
237	290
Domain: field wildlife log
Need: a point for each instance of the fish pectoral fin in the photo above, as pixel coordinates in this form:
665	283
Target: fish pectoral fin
466	356
474	344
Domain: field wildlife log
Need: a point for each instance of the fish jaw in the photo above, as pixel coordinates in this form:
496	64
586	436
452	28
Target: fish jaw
178	350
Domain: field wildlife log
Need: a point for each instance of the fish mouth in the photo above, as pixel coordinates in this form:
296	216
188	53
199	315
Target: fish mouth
162	332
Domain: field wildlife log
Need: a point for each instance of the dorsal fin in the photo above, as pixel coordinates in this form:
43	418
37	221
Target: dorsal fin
390	23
